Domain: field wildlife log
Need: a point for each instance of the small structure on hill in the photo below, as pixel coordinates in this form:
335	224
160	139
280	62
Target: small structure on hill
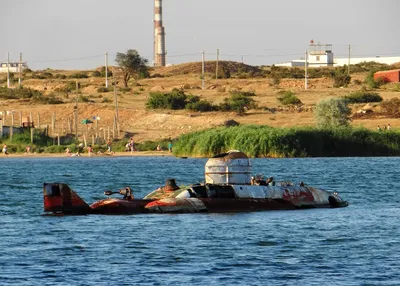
319	55
12	67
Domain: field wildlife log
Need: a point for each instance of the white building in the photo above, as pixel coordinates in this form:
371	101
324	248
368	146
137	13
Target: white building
14	67
322	56
353	61
318	56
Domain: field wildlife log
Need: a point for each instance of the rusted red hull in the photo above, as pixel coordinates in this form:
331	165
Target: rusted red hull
245	205
60	199
119	207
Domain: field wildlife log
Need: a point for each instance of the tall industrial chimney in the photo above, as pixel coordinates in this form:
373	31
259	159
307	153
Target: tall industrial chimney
159	35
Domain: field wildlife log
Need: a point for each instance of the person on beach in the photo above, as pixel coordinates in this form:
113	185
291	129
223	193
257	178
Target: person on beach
89	150
158	148
80	149
132	145
68	152
109	147
170	147
27	149
5	152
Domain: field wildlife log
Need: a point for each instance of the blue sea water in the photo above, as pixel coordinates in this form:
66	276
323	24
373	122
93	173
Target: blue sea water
357	245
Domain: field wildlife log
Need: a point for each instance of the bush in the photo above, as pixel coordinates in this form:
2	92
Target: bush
83	98
201	105
55	149
69	87
340	78
103	72
39	138
96	74
106	100
243	93
17	93
372	82
38	76
368	66
79	75
396	87
103	89
47	74
223	72
60	76
125	89
363	97
275	81
174	100
50	99
391	107
238	103
332	112
289	98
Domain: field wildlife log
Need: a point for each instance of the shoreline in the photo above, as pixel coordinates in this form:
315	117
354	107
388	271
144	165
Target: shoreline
85	155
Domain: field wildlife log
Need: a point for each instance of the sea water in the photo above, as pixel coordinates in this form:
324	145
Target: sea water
357	245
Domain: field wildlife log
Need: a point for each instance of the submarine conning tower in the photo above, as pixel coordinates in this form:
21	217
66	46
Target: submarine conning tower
233	167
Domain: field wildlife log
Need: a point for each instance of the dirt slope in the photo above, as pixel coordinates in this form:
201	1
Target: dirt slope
160	124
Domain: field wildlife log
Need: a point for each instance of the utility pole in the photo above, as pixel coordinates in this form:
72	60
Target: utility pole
20	70
12	126
216	68
116	105
306	70
97	126
8	70
202	70
76	119
106	66
348	65
53	124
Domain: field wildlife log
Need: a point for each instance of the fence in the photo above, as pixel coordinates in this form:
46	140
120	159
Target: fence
58	129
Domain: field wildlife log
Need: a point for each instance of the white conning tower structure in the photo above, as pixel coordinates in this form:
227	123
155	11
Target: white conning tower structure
233	167
159	35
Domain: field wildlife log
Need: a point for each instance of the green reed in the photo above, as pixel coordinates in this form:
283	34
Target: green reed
265	141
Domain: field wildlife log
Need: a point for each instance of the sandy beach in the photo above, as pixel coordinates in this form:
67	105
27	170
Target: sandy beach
85	155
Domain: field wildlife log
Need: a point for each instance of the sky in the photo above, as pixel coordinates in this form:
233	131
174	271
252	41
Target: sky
75	34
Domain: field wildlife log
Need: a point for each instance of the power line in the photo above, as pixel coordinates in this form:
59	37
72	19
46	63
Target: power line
260	56
65	60
184	55
369	55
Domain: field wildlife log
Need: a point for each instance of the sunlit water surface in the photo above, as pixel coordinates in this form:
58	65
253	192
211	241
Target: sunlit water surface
357	245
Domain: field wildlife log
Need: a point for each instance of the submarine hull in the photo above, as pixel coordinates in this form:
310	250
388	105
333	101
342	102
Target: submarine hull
119	206
228	187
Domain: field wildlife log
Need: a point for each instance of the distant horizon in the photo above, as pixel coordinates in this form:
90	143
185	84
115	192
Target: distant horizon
181	63
74	35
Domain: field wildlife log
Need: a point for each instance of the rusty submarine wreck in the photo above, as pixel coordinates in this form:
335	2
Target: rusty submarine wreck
229	187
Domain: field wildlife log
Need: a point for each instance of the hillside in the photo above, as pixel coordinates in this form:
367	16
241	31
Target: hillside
155	125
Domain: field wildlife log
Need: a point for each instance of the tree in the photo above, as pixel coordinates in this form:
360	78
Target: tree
132	65
332	112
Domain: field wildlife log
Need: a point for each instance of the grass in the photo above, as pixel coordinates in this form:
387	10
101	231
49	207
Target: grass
264	141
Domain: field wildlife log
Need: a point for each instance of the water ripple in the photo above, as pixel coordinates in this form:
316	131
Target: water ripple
357	245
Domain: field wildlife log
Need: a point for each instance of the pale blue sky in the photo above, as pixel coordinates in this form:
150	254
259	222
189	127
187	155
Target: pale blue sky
74	34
